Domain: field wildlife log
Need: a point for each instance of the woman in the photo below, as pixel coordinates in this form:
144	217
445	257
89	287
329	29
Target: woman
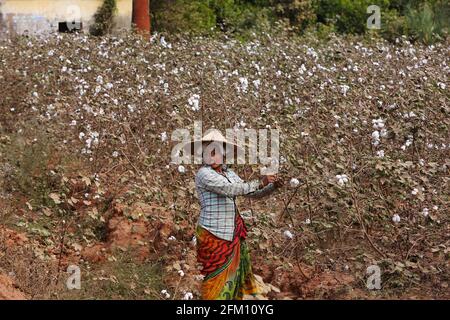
221	231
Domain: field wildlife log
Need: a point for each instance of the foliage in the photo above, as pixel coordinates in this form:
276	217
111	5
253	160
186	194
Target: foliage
104	18
428	23
423	20
349	16
331	102
205	16
300	14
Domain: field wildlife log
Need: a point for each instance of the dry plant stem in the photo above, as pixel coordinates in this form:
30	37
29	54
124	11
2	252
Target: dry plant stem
358	212
286	204
297	259
309	200
412	247
127	126
363	228
61	248
176	289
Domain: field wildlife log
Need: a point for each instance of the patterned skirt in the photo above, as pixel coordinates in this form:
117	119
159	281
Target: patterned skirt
226	265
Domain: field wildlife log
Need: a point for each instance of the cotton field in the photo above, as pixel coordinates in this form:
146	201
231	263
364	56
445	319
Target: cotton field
86	125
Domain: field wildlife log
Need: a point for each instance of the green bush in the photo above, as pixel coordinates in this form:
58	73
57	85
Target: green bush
424	20
349	16
182	15
202	16
393	25
428	22
300	13
104	18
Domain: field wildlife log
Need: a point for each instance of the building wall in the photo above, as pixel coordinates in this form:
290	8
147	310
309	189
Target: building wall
43	16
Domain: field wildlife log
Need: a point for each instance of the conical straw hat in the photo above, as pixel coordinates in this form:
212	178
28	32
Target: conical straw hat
212	135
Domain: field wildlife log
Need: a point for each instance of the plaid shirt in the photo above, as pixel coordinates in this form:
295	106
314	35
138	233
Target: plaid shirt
217	194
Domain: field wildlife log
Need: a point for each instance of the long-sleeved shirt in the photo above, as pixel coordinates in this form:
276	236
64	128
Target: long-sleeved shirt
217	193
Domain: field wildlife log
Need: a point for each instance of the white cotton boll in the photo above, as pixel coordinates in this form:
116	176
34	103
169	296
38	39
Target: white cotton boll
194	102
376	135
99	79
181	273
164	136
308	221
378	123
51	53
188	296
199	277
294	182
288	234
244	83
165	293
172	238
342	179
181	169
380	153
81	135
194	241
414	191
396	218
115	154
344	89
435	208
425	212
441	85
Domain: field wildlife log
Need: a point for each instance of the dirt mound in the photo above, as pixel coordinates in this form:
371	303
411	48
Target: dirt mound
139	229
12	238
8	291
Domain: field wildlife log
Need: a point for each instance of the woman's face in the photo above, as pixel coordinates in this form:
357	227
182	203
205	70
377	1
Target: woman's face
213	155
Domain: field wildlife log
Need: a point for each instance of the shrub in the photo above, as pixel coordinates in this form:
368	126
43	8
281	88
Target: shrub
104	18
203	16
428	22
183	15
300	14
350	16
393	25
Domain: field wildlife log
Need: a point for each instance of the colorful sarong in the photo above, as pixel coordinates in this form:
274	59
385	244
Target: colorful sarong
226	265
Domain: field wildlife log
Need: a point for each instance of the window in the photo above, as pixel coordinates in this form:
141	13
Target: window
69	27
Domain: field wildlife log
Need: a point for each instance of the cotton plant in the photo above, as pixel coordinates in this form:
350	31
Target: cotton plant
294	182
194	102
164	136
188	296
288	234
342	179
165	294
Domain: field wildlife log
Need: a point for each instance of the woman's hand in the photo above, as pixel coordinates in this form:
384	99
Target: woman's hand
268	179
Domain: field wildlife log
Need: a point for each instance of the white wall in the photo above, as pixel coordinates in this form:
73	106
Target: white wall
42	16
